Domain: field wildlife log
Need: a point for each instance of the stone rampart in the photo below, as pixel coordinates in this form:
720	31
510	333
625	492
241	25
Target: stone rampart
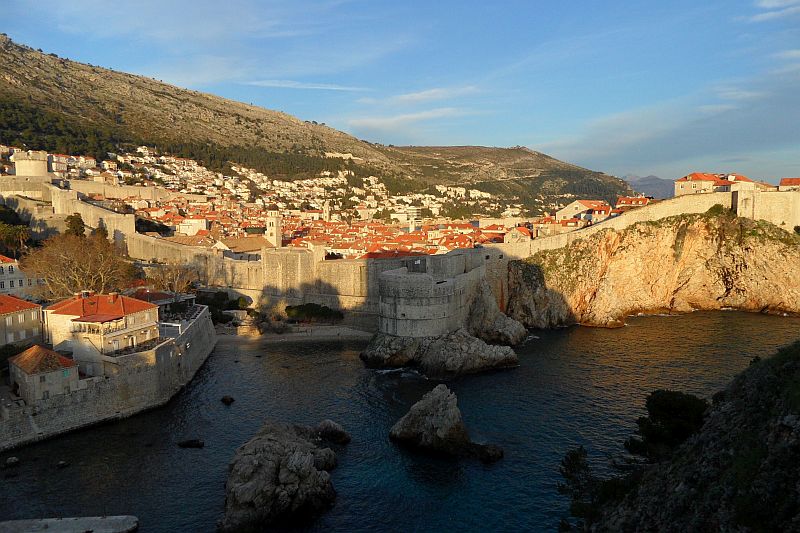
132	384
67	202
130	191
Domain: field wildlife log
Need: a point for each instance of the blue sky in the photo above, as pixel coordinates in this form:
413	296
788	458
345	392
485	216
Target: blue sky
623	87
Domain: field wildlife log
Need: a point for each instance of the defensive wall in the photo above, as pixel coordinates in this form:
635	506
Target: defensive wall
121	192
67	202
131	384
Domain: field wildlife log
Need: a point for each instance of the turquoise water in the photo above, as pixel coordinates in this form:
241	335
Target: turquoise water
574	386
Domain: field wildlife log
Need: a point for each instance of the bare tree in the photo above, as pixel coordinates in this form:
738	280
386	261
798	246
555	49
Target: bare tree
68	264
173	276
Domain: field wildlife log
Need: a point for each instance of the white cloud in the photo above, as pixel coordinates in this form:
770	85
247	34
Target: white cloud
775	4
403	120
291	84
437	93
789	54
775	9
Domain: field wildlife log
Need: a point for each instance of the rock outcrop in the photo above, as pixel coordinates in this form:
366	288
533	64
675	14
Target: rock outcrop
739	472
281	475
487	322
447	356
677	264
434	424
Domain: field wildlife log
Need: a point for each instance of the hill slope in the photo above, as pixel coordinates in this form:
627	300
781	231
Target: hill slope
53	103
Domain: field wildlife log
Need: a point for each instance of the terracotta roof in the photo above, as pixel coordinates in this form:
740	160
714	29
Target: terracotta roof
4	259
100	304
786	182
38	359
12	304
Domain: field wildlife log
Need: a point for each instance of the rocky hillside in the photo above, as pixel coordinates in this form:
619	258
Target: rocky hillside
739	473
677	264
46	102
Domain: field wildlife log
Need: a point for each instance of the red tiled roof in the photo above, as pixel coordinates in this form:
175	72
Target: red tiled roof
38	359
789	182
100	304
12	304
4	259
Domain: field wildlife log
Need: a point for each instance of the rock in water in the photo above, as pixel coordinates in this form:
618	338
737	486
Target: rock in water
332	432
434	424
11	462
438	357
281	475
227	400
191	443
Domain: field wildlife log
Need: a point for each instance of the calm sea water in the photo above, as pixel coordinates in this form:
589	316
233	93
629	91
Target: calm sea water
574	386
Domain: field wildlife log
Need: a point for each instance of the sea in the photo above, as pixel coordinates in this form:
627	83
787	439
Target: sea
574	386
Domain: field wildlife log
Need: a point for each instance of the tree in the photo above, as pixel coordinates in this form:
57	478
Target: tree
14	237
100	231
173	277
75	225
672	417
68	264
797	229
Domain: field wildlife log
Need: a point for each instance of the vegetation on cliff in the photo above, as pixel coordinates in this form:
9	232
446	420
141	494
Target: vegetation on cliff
681	263
737	470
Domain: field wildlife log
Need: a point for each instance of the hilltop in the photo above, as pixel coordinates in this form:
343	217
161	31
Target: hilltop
56	104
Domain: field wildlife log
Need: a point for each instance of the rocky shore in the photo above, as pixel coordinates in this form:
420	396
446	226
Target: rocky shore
281	476
678	264
442	357
434	424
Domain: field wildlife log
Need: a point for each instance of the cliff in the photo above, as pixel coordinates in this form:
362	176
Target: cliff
677	264
739	472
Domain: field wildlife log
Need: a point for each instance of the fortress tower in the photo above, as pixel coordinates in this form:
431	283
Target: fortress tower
31	163
274	228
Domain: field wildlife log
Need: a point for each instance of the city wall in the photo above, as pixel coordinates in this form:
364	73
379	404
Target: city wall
122	192
67	202
132	384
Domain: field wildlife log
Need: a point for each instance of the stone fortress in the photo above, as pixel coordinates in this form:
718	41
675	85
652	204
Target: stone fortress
404	296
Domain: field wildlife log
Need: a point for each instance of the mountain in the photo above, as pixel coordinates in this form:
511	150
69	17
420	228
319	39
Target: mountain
52	103
651	186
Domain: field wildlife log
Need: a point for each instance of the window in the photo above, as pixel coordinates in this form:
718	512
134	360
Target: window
9	320
30	282
34	315
2	270
20	318
9	337
35	331
11	283
22	334
2	284
10	269
21	284
42	379
46	395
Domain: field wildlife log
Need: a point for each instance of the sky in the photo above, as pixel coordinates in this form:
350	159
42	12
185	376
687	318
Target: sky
639	87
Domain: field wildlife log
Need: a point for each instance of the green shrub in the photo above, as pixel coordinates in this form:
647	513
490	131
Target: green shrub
311	312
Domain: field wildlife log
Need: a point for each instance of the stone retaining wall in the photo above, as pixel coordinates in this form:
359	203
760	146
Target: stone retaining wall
132	384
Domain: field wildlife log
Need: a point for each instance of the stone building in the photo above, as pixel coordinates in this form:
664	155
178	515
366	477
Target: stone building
39	374
13	280
96	326
20	321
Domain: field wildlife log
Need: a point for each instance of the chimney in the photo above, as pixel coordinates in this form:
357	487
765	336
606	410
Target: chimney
86	294
112	297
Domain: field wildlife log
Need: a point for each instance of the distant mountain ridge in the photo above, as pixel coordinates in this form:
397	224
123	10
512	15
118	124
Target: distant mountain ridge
651	185
52	103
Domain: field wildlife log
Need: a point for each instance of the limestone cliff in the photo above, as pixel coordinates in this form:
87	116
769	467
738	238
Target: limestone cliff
739	473
677	264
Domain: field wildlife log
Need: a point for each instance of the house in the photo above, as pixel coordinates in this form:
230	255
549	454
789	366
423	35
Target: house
584	209
789	184
628	202
12	280
97	326
518	234
39	374
20	321
701	182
